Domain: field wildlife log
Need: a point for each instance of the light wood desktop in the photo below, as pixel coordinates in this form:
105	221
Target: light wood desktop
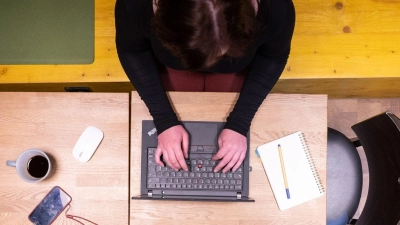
279	115
53	122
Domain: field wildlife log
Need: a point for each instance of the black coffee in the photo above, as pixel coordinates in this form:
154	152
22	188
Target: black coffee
38	166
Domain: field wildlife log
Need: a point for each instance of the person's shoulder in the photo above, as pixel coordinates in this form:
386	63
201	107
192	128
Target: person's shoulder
139	12
139	9
277	8
274	13
138	3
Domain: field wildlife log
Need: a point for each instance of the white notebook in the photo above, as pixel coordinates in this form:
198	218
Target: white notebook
302	178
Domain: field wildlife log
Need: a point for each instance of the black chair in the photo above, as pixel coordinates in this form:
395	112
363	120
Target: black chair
380	139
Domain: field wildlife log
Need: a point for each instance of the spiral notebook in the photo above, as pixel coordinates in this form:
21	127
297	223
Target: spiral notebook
302	179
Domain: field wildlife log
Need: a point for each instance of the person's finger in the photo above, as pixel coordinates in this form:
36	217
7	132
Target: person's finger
181	160
225	160
157	156
232	162
220	154
239	162
173	162
166	158
185	146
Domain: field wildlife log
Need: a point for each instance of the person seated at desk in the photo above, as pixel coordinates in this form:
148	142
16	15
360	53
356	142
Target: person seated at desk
196	40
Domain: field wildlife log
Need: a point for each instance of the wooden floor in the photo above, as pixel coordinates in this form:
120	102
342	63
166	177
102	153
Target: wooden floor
343	113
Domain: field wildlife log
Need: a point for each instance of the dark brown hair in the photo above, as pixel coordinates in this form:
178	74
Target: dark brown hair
201	32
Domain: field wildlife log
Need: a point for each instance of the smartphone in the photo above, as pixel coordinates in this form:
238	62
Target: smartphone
50	207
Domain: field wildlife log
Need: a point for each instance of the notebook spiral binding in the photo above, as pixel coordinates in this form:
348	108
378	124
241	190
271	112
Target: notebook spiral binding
311	163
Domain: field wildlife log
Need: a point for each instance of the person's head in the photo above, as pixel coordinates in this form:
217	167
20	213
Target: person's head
201	32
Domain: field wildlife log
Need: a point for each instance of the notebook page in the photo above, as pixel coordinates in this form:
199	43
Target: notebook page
303	184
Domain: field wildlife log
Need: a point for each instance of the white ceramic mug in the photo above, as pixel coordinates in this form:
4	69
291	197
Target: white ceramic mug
29	167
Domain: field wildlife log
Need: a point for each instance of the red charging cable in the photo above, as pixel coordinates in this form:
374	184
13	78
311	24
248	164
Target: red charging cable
72	217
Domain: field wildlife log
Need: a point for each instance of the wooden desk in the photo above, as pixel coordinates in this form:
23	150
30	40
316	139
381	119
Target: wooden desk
279	115
53	123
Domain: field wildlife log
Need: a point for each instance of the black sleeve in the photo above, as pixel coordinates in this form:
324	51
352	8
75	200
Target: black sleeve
135	55
265	70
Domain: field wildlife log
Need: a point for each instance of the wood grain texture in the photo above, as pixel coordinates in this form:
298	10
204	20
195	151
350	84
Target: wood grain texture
351	40
384	87
344	113
345	39
279	115
53	122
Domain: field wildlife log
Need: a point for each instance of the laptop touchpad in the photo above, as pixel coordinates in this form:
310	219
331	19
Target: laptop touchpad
202	133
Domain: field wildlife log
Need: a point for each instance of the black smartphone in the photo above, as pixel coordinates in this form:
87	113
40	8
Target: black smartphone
50	207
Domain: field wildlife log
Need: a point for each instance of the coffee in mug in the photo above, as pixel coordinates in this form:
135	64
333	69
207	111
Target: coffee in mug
38	166
32	165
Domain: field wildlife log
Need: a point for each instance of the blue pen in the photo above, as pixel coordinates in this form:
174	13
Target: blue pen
284	172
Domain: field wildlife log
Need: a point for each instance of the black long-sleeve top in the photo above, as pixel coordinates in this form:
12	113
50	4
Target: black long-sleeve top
266	58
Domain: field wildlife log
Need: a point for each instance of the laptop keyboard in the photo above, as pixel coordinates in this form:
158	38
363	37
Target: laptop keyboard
199	176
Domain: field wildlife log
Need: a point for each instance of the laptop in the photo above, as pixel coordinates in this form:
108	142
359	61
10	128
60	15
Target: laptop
200	182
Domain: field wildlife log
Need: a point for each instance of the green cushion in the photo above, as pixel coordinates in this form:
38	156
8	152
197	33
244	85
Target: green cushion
46	31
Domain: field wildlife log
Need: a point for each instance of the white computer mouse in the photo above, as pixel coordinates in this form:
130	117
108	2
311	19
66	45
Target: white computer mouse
87	143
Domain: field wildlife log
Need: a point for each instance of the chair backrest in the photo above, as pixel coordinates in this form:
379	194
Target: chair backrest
380	138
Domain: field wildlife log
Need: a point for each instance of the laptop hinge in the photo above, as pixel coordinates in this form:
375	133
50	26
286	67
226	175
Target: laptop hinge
238	195
150	194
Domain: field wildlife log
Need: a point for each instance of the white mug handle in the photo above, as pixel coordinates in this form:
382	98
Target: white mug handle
11	163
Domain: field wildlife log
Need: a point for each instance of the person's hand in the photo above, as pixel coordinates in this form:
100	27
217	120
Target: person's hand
232	150
173	144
